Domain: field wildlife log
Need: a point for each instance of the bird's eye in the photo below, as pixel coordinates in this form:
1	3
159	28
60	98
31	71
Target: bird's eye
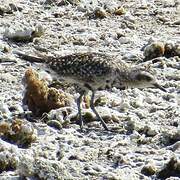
148	78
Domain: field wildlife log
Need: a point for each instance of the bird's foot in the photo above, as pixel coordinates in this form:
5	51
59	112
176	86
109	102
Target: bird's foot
105	126
81	124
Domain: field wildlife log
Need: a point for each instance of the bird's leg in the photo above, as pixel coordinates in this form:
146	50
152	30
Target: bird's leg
96	113
79	100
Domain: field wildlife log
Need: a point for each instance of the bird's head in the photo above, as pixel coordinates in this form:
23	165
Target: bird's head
143	79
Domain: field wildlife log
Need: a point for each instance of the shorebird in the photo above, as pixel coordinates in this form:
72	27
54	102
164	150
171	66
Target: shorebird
95	71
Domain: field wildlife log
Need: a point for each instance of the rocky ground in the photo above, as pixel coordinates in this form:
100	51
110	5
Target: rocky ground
146	140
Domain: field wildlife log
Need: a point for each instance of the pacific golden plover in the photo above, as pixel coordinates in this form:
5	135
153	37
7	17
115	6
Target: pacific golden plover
96	71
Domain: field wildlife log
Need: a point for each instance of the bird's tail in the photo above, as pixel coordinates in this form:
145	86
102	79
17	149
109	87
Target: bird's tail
31	58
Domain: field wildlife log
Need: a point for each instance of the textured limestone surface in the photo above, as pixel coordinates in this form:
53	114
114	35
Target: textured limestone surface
145	142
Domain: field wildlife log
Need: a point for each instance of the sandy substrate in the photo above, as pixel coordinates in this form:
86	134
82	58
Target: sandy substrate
146	143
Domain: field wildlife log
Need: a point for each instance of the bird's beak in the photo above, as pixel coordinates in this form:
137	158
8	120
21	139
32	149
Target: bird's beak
159	87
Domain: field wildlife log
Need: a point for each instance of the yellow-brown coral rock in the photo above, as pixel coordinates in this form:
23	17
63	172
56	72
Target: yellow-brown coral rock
4	127
153	50
18	131
39	97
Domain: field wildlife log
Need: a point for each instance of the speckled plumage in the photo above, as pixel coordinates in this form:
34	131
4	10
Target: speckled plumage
94	71
97	70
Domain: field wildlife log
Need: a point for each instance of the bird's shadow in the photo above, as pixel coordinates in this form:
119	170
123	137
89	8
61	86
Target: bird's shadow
98	131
